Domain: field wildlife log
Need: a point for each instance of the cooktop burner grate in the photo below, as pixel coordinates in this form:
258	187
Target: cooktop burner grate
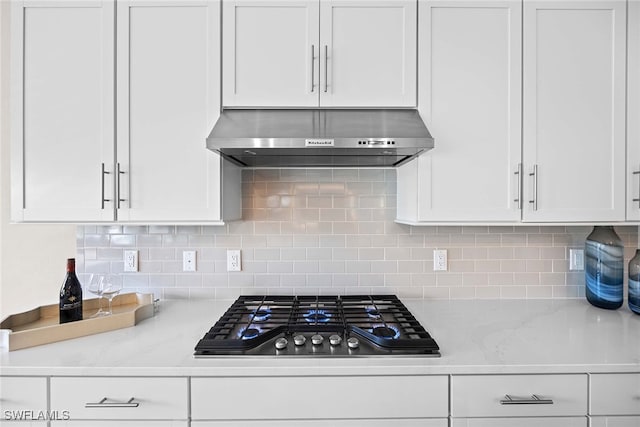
382	322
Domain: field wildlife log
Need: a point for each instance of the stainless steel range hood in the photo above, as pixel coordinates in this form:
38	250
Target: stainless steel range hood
319	137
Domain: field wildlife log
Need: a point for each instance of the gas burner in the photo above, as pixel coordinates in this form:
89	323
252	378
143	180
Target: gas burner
386	332
261	315
249	333
317	316
372	312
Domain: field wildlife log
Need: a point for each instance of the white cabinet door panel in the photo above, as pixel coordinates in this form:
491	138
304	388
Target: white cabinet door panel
368	53
121	423
402	397
615	422
168	101
520	422
633	113
615	394
63	110
22	394
327	423
270	53
469	96
574	104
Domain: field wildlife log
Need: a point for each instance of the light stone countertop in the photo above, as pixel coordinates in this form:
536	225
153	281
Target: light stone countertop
475	337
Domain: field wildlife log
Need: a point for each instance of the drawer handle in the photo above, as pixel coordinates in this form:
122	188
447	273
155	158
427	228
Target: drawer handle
113	404
533	400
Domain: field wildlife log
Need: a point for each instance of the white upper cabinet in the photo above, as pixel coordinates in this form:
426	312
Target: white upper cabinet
368	53
574	110
168	102
295	53
270	53
469	96
633	113
62	82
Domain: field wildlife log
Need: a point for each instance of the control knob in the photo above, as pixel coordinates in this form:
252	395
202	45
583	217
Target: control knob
281	343
353	342
317	339
299	340
335	339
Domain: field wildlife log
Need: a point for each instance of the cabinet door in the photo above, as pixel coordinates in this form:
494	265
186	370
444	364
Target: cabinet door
121	423
63	110
574	110
368	53
21	395
615	422
633	113
168	102
520	422
270	53
328	423
469	96
625	400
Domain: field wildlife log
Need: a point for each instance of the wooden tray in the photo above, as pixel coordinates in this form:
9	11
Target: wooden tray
41	325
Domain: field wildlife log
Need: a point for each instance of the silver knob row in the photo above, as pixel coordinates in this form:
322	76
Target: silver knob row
317	339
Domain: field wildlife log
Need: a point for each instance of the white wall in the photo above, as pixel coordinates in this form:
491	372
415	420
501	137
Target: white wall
32	257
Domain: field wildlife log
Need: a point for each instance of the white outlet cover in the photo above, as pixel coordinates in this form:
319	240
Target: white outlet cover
130	261
440	260
189	261
576	259
234	260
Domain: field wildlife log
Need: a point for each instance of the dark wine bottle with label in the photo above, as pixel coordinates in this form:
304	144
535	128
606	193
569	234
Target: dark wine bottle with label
71	295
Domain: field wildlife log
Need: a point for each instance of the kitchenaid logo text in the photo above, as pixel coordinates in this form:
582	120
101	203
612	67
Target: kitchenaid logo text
318	142
29	415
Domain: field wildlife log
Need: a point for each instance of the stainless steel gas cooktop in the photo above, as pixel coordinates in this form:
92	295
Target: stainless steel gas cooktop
317	326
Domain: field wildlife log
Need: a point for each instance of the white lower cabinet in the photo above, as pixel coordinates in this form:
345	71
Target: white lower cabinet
112	398
120	424
615	394
441	422
520	422
23	400
615	422
519	400
396	398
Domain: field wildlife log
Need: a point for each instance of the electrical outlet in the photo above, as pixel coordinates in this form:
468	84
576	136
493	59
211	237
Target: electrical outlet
189	261
234	260
576	259
440	260
130	261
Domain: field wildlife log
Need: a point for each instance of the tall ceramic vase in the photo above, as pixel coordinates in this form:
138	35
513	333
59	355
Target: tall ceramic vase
634	283
604	268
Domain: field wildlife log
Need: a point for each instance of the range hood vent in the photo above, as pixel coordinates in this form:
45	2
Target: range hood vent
320	137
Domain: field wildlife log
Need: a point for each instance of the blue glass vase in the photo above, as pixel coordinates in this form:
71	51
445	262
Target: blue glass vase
604	268
634	283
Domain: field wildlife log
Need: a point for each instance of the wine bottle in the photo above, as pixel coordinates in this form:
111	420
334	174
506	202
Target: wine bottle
71	295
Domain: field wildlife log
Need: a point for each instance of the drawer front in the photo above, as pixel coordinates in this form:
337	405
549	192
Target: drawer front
340	397
482	395
444	422
520	422
157	398
615	394
22	394
615	421
120	424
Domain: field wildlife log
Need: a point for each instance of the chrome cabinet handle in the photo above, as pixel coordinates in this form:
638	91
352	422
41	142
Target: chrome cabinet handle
313	72
518	173
326	56
113	404
638	199
102	199
119	173
533	400
534	174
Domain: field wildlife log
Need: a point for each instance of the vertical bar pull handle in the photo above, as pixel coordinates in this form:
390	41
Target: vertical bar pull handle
313	71
119	173
326	72
518	173
534	174
638	199
102	199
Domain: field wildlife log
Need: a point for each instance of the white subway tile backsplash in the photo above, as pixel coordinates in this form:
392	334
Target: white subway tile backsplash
333	232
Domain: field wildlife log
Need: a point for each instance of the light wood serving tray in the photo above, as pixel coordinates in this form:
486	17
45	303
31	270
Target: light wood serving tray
41	325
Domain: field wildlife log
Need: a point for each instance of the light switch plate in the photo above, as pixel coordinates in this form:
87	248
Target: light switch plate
576	259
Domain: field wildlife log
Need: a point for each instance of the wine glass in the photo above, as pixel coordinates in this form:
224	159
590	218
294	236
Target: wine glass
96	286
111	286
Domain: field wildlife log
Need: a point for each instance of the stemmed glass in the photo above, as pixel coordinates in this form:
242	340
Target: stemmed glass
96	286
104	285
111	286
